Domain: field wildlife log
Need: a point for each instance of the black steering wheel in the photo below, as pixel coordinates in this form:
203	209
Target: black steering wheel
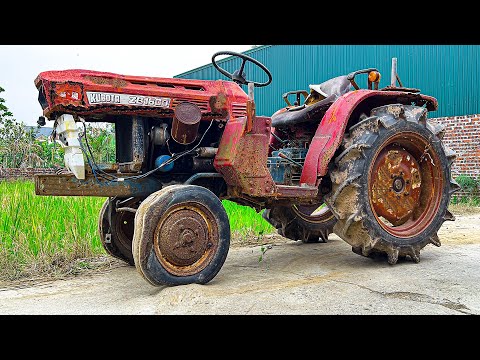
239	75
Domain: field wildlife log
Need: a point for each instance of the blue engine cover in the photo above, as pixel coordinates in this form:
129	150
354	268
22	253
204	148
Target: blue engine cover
284	172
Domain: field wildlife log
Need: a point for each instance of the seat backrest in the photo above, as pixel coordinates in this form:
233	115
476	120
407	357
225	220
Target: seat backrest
336	86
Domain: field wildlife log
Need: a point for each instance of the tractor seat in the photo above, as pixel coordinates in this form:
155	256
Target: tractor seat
336	86
330	90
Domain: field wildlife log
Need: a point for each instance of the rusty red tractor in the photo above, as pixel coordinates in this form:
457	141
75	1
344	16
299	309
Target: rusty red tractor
365	164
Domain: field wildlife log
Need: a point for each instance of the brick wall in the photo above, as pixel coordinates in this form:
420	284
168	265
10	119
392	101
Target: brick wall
462	134
25	173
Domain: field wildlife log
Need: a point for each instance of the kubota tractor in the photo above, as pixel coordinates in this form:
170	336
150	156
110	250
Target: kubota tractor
363	163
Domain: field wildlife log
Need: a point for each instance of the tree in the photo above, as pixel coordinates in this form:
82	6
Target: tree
101	139
18	147
16	142
4	112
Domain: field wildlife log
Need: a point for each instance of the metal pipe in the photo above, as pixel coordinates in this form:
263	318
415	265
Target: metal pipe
195	177
202	165
393	79
283	156
207	152
250	91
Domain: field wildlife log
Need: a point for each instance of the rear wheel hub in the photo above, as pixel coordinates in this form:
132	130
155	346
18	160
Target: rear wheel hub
395	184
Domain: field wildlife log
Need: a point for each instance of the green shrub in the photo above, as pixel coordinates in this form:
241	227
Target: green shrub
468	183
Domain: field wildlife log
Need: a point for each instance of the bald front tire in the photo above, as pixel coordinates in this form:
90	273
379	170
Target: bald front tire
358	223
163	236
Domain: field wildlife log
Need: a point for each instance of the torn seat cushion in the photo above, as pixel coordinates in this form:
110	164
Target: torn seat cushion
303	113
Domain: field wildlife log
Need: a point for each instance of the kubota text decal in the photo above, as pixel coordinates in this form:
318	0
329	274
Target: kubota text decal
127	99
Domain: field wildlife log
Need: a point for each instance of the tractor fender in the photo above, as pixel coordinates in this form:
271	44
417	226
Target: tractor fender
329	134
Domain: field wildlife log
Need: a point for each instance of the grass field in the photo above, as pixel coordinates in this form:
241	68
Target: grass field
47	234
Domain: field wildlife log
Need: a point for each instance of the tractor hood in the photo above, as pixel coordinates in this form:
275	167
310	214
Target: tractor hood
98	94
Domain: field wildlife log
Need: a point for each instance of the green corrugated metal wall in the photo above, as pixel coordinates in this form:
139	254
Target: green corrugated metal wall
451	73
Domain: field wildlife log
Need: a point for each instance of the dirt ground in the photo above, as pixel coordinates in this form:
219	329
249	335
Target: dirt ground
292	278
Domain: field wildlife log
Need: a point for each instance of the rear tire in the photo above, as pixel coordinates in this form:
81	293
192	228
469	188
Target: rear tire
301	222
182	236
391	184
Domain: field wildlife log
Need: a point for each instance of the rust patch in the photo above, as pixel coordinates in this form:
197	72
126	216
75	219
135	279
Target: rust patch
69	185
395	185
218	104
100	80
185	239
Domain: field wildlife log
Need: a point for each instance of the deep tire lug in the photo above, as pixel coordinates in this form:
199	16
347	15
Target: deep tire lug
435	240
392	256
448	216
415	255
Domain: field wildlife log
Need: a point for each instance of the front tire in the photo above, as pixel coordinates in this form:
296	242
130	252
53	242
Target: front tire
117	236
391	183
182	236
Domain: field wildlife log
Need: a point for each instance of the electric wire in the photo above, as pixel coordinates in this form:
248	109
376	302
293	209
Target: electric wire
104	175
174	156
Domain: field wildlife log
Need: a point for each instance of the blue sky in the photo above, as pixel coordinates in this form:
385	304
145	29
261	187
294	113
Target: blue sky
20	64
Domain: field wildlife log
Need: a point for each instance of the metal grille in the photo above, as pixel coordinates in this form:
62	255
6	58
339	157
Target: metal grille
202	104
239	110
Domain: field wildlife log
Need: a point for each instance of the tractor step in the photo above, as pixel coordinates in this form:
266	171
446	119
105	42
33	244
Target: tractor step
286	191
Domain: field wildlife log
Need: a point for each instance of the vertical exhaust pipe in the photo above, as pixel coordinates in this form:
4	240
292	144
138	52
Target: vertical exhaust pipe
393	79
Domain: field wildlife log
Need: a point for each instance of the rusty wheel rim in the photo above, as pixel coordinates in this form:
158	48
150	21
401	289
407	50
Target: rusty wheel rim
185	239
124	228
404	185
317	213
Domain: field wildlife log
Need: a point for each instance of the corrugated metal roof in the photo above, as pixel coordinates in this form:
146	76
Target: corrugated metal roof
451	73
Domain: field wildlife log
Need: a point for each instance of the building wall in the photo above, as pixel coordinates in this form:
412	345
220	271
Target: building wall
451	73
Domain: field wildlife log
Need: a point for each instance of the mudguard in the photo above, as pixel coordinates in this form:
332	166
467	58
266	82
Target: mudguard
329	134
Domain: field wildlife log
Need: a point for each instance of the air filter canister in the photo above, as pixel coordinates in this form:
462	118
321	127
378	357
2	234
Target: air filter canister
186	121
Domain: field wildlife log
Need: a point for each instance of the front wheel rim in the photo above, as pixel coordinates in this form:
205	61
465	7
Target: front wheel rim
186	239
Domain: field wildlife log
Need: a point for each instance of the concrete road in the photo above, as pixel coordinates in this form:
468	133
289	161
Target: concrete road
293	278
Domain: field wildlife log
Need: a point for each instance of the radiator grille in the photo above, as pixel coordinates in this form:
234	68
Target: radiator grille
202	104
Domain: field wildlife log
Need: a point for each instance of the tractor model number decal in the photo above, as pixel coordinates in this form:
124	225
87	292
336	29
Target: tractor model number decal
127	99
